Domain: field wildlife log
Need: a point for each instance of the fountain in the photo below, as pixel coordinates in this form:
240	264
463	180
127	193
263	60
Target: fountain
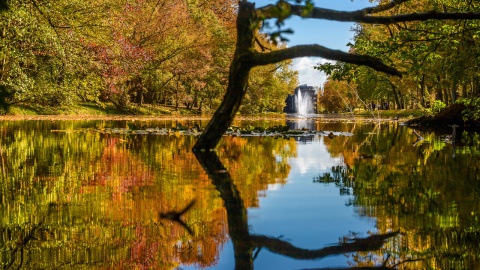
304	103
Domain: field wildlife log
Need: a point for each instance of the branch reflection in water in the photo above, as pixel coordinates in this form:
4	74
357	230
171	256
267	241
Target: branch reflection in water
245	243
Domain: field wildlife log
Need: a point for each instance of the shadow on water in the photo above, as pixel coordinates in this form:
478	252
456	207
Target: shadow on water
247	246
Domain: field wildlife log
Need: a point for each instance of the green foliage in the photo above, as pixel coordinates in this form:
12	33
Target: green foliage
282	11
40	58
174	53
268	87
436	107
437	58
472	110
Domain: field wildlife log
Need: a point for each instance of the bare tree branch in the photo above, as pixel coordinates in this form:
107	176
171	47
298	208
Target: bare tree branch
281	247
422	16
321	51
268	12
249	20
364	15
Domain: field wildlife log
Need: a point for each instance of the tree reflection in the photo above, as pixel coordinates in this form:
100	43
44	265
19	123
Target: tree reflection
425	185
245	243
74	197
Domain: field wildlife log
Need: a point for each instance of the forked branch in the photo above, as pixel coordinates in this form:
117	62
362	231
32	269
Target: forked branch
321	51
371	243
364	15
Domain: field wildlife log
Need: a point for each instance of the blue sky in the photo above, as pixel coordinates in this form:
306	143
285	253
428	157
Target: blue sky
334	35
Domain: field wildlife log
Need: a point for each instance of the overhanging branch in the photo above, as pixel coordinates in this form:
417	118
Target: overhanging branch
268	12
365	15
421	16
259	59
275	245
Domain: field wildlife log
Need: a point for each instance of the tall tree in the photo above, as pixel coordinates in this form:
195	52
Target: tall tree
249	19
437	57
269	85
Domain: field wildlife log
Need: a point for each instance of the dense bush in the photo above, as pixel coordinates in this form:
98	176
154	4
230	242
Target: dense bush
472	111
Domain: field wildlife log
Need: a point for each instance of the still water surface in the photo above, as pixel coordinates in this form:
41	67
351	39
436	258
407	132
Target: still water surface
92	195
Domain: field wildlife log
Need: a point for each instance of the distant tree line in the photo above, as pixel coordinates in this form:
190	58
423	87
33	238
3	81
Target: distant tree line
438	60
176	53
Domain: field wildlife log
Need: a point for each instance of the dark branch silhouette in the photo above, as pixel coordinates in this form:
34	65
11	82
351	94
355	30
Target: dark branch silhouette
24	241
321	51
244	243
365	15
281	247
248	21
176	216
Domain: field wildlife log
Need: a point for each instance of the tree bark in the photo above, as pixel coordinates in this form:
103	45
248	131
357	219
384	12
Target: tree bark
439	92
245	57
236	212
366	15
422	91
321	51
396	96
454	89
237	81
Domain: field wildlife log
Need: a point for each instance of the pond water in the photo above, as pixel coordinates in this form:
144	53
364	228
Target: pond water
93	194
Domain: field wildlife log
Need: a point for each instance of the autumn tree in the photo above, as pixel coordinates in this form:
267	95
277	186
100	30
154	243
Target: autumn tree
162	52
437	58
334	97
41	59
249	20
144	42
269	85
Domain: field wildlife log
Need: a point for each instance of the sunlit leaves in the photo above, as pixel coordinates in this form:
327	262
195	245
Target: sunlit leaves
105	192
428	191
436	56
269	85
281	11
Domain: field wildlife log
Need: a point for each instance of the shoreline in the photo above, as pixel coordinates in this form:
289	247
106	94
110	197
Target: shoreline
89	117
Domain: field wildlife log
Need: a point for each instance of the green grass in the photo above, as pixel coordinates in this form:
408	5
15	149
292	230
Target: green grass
75	109
96	109
405	113
104	109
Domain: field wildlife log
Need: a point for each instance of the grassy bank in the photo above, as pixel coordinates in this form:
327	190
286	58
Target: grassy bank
108	109
96	109
404	114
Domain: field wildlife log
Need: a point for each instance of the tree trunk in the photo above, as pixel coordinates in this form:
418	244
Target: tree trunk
446	95
422	91
475	87
464	90
439	92
400	100
237	81
396	96
176	97
454	90
237	217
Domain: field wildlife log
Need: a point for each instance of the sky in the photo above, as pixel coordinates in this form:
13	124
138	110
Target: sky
333	35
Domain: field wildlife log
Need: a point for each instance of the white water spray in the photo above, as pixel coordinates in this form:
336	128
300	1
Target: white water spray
304	104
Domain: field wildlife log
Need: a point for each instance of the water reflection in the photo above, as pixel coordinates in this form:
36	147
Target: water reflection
302	123
74	197
244	243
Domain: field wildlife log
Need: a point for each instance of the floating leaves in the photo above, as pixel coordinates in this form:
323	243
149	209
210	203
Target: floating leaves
248	131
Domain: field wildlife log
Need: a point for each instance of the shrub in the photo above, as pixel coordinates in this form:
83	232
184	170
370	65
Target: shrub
437	106
472	110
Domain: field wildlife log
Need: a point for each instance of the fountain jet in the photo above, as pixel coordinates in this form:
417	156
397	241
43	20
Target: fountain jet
304	103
